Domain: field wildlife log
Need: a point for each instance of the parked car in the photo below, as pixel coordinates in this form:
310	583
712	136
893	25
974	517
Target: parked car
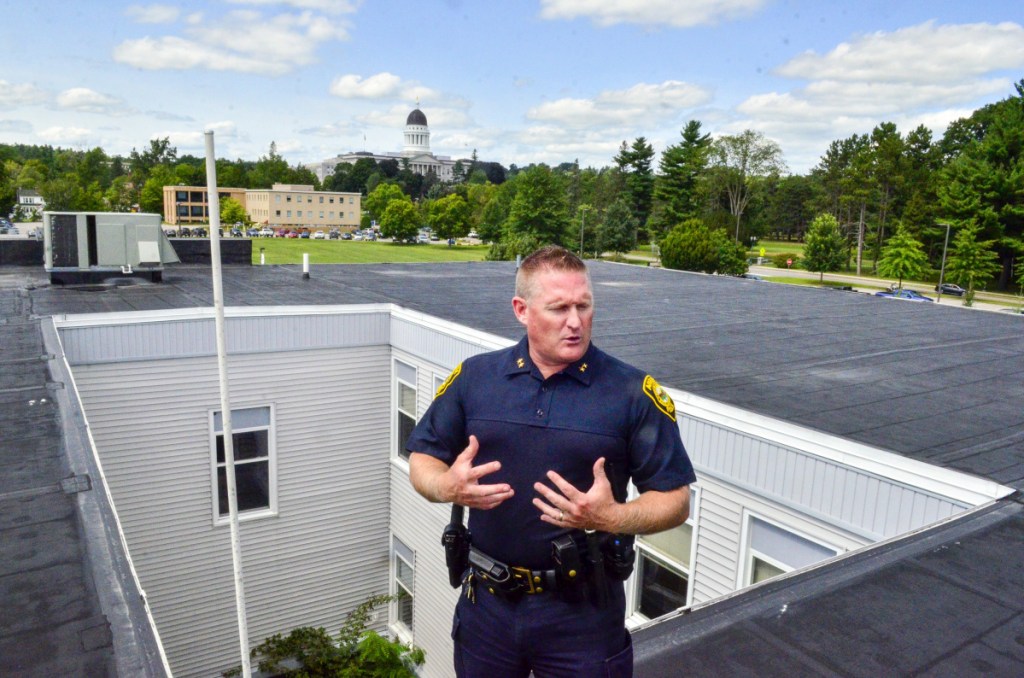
281	233
236	233
252	232
334	234
346	236
950	288
319	235
909	295
266	232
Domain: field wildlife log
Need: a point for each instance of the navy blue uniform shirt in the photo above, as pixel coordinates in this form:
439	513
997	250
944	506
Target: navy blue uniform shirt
597	407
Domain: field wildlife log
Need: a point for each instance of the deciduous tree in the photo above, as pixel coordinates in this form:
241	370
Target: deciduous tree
742	162
400	221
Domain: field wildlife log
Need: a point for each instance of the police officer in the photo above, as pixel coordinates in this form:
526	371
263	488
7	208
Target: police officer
528	438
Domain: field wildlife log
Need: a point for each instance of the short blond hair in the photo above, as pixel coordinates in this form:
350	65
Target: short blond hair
547	258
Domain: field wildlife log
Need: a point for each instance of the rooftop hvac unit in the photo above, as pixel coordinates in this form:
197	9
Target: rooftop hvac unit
91	246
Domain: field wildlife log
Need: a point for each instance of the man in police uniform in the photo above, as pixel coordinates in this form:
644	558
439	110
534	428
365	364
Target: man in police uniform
538	440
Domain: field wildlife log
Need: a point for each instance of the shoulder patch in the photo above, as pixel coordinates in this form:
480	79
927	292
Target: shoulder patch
448	382
661	399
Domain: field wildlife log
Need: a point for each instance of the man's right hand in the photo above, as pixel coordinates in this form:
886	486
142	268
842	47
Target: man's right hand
460	482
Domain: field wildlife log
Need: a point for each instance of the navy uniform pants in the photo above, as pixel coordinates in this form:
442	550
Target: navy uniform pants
496	638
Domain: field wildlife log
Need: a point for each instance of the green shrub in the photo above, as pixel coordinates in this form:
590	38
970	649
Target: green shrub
779	260
309	652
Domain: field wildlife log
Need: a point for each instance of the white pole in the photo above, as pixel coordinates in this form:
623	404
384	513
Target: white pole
213	200
305	266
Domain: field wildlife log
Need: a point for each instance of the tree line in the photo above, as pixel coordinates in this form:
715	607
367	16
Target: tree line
705	204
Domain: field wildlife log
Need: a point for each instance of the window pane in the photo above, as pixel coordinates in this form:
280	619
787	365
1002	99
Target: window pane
404	606
248	445
404	573
763	570
407	399
674	543
405	426
252	482
661	589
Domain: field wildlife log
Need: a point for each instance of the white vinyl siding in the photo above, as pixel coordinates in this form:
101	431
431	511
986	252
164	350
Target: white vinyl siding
323	554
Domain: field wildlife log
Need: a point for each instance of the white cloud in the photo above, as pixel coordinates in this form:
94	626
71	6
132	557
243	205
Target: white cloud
921	54
641	104
328	6
65	135
380	86
153	14
675	13
925	74
15	96
85	100
193	140
246	41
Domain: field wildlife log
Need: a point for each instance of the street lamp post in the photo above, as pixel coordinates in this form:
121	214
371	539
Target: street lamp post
942	269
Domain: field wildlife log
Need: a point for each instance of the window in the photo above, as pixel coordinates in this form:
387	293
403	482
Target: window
351	200
288	214
181	196
277	198
253	449
277	213
773	550
331	200
287	198
662	576
321	199
405	399
403	567
298	214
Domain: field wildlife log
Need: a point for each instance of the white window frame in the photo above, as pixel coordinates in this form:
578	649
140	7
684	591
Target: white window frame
398	447
643	550
745	571
271	429
401	552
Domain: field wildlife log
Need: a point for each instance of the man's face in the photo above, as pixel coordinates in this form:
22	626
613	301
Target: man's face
558	317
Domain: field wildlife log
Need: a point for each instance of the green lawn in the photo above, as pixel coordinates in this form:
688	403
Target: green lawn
290	251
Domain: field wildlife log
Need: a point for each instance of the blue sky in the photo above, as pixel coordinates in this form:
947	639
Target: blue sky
519	81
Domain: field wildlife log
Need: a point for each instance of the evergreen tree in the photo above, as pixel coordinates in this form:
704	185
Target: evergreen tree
617	230
971	262
984	184
635	164
824	246
677	187
902	257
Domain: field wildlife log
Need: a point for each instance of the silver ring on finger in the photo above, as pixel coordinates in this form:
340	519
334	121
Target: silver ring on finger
561	516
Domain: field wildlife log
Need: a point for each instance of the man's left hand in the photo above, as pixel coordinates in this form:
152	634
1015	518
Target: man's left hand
566	506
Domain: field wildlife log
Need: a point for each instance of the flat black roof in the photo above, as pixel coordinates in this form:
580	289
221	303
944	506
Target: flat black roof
938	384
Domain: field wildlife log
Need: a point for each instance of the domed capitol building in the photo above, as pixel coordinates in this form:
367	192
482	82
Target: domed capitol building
416	150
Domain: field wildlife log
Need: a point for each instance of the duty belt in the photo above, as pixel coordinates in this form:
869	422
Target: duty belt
509	581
